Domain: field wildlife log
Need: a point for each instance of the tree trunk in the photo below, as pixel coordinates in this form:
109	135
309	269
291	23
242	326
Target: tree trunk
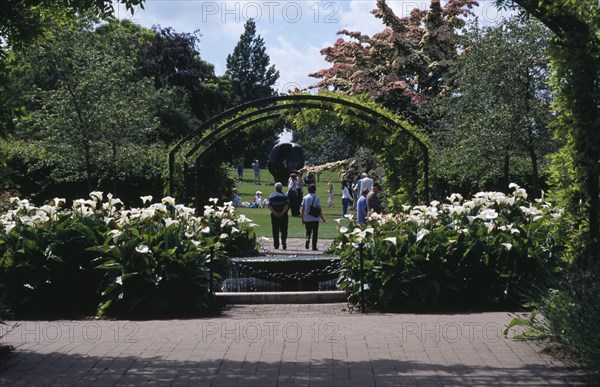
506	172
88	162
587	131
534	172
114	169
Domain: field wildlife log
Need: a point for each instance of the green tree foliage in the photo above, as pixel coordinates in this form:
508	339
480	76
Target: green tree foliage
321	144
575	53
175	62
23	20
404	67
252	78
248	67
87	105
499	111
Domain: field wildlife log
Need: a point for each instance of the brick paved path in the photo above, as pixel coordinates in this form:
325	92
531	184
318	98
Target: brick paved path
283	345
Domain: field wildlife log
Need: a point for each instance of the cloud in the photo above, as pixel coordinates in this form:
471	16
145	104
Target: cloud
359	18
488	14
294	63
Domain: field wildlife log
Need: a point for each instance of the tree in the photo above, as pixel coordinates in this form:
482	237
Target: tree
23	20
248	67
322	144
252	78
88	105
175	62
404	66
499	111
575	63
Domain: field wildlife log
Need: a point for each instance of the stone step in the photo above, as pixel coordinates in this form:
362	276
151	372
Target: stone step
315	297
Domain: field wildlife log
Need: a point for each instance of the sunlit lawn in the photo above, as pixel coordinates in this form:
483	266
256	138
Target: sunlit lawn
261	216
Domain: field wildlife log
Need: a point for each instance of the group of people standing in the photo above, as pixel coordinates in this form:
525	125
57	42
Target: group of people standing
255	170
367	192
309	209
368	202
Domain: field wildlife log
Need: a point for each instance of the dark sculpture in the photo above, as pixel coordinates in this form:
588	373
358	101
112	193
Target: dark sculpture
283	159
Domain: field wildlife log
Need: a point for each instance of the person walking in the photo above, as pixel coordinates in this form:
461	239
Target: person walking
346	197
330	194
256	169
279	204
361	207
311	212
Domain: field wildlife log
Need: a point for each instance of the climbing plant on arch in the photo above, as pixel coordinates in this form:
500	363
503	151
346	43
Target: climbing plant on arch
402	149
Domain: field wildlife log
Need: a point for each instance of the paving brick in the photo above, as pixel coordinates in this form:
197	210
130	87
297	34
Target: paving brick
320	345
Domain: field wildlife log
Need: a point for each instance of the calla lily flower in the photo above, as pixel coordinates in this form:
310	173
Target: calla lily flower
142	249
392	240
168	201
96	195
421	234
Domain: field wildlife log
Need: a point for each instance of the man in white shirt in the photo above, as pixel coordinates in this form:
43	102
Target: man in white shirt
365	182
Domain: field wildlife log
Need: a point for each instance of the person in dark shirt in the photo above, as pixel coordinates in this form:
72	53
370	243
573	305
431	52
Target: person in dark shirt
279	204
373	201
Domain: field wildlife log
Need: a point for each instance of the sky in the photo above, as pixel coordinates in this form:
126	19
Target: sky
294	31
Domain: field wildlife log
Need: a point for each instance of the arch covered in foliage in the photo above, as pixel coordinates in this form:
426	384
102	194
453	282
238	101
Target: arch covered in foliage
349	112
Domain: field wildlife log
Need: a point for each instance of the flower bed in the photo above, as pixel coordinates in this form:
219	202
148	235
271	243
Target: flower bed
464	253
99	257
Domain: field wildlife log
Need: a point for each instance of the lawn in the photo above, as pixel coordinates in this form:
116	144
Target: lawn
261	216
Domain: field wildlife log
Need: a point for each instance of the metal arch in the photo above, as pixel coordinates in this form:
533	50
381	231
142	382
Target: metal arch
232	126
224	128
274	100
253	122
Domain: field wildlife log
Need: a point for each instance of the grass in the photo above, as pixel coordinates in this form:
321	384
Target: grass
262	216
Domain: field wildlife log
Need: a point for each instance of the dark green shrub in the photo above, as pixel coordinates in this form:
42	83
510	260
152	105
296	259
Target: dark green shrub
463	254
566	310
45	269
100	257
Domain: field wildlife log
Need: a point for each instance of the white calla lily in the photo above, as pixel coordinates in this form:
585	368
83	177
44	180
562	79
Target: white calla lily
167	200
169	222
142	249
96	195
422	233
392	240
